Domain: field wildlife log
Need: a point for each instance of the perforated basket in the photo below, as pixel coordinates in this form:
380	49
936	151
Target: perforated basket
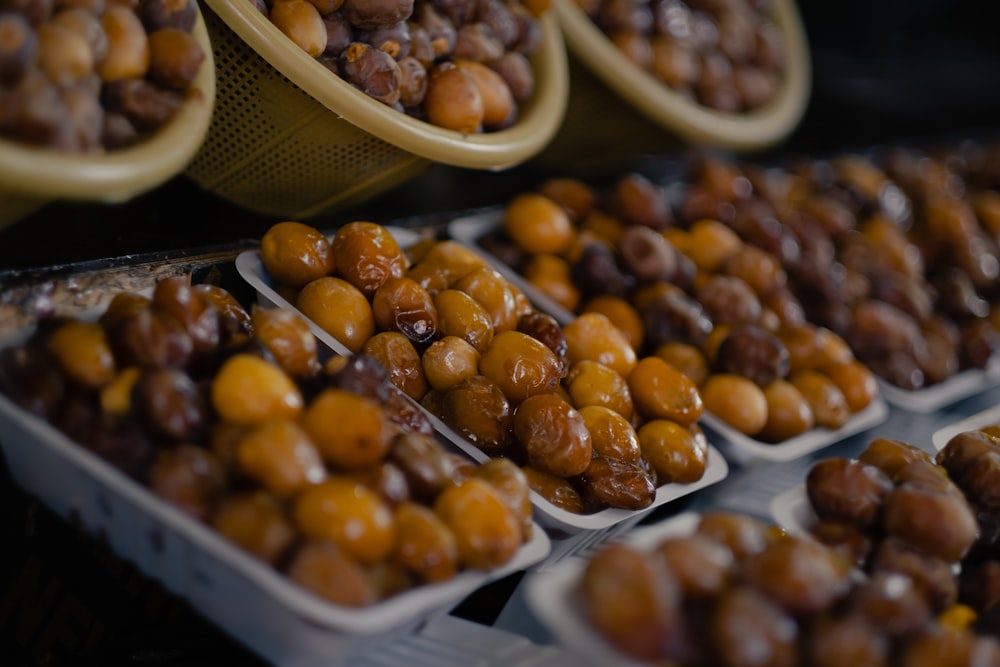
291	139
31	177
636	111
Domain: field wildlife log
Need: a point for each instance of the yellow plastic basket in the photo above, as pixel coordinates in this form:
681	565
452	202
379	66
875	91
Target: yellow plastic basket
291	139
31	177
654	101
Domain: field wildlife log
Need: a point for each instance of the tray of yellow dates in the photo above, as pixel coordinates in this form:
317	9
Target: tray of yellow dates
893	248
718	587
774	387
602	436
289	495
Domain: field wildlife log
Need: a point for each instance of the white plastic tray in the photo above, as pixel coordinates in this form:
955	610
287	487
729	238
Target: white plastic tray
573	533
247	598
961	385
738	447
448	641
791	510
985	418
561	523
553	597
742	448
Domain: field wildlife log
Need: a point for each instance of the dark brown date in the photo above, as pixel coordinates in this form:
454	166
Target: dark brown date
754	353
840	488
425	464
544	328
611	482
190	478
169	404
150	338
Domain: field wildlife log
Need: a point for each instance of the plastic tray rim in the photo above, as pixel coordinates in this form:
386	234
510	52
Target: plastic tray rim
936	396
986	417
552	595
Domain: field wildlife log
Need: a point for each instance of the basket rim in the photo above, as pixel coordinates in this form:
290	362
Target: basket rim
538	120
121	174
757	129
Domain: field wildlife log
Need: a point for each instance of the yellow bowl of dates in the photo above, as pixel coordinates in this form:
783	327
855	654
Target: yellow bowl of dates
293	139
673	95
168	129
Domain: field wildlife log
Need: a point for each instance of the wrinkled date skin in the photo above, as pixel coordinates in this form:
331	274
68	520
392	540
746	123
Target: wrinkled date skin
615	483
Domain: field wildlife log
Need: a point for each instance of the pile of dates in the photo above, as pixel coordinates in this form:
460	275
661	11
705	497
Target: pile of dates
735	592
897	252
320	468
972	460
891	509
878	509
462	65
899	509
724	56
716	308
94	76
591	424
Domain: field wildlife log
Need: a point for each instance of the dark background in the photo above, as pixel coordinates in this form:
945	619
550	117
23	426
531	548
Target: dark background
883	72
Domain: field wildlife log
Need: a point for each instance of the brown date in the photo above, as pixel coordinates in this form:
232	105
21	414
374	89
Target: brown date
169	404
840	488
425	464
611	482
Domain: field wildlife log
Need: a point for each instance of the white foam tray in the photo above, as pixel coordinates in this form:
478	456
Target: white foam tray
553	597
987	417
791	510
957	387
561	524
743	449
247	598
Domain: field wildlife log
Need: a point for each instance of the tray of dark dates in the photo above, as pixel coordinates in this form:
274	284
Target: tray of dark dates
601	443
292	496
898	508
717	587
719	309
